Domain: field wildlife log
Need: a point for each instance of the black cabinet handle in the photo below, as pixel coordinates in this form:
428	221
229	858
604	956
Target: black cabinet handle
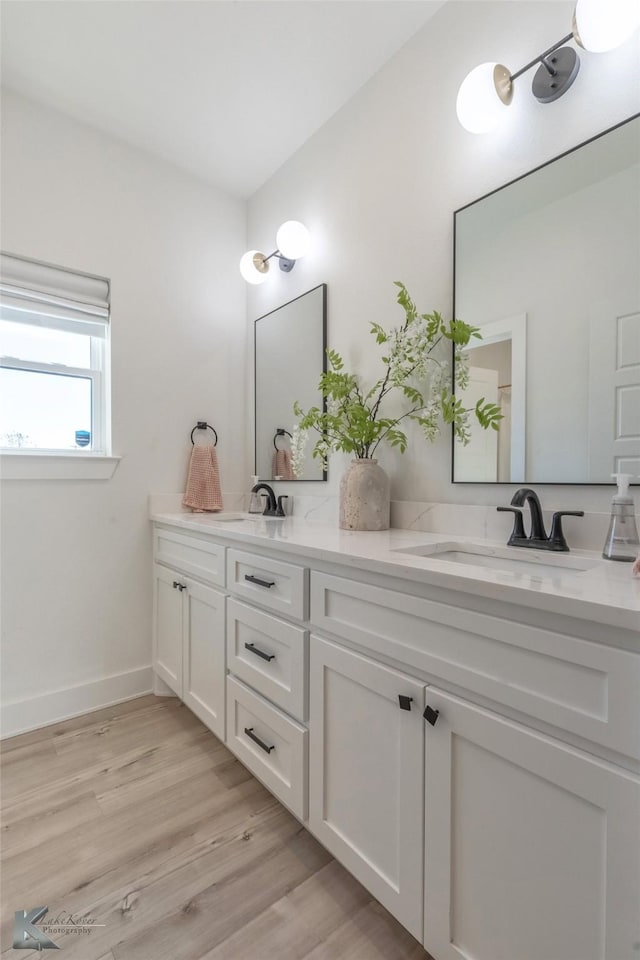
175	584
258	581
180	586
259	653
263	746
431	715
405	702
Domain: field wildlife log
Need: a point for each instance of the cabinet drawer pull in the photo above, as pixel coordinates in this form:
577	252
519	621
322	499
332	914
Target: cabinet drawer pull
405	702
258	581
179	586
259	653
263	746
431	715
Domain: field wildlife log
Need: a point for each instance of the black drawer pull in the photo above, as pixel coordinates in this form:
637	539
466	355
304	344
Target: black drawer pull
258	581
431	715
249	732
405	702
259	653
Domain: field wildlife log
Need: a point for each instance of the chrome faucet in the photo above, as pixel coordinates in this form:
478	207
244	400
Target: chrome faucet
537	537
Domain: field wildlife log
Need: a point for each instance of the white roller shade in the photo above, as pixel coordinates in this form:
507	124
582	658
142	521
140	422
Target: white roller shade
36	293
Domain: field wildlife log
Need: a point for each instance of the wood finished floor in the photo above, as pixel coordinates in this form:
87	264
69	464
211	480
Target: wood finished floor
139	817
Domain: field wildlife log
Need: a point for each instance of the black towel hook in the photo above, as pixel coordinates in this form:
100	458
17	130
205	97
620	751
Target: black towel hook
203	425
280	432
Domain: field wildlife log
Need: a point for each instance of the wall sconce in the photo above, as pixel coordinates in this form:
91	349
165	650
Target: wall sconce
598	26
292	243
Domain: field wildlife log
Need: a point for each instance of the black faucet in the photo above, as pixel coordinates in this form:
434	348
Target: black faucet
538	536
271	508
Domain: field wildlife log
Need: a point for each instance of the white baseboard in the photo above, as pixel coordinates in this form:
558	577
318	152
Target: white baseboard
19	716
161	689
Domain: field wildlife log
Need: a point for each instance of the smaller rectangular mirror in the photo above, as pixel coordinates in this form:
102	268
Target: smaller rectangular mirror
290	357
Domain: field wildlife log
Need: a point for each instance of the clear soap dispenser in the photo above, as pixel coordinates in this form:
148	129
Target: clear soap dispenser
622	541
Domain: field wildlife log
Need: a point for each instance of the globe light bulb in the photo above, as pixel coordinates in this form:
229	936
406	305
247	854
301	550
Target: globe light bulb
601	25
293	240
483	97
249	267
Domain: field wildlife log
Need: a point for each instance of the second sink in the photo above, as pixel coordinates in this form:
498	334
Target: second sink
501	558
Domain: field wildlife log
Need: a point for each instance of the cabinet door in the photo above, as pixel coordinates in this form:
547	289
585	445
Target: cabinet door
167	627
531	846
366	775
204	662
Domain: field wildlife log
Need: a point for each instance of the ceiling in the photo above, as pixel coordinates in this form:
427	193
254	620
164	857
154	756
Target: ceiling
225	89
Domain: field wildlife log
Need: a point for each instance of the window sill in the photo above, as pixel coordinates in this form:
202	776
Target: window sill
52	466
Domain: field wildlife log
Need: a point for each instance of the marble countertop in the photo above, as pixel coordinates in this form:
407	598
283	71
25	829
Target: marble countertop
606	593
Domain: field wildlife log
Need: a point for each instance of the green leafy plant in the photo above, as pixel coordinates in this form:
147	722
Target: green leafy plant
357	421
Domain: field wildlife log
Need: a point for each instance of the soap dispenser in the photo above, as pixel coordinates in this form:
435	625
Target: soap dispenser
622	541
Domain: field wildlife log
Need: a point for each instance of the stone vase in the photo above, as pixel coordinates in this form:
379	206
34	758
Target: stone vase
364	497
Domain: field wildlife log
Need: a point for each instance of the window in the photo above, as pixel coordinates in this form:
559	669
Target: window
54	359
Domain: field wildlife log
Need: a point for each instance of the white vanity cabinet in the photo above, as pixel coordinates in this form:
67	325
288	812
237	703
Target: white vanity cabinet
189	629
532	848
366	774
167	627
268	662
475	764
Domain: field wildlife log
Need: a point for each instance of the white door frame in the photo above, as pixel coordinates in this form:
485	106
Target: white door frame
514	329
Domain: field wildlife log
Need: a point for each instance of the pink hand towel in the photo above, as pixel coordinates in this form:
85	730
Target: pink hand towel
281	466
203	481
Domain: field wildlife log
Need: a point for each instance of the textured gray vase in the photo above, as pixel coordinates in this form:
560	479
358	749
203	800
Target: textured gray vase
364	497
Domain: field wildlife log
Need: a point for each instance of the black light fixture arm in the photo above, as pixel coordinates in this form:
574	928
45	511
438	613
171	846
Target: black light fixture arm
285	263
541	58
558	67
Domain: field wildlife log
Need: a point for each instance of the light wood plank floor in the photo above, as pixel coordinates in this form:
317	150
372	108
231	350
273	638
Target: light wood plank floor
140	818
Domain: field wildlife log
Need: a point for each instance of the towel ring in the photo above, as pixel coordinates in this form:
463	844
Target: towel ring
280	432
203	425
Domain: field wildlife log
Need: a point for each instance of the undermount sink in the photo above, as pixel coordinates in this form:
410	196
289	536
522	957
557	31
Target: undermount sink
229	516
512	559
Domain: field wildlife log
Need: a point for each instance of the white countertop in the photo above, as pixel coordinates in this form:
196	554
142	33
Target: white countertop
607	593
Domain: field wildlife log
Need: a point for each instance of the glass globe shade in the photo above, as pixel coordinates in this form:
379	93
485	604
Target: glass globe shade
478	105
601	25
249	270
293	240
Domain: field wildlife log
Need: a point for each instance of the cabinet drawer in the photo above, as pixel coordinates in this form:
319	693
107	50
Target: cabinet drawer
583	687
271	745
197	556
281	587
268	654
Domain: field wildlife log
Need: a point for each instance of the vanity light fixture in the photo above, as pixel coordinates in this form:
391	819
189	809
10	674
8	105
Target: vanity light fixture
292	243
598	26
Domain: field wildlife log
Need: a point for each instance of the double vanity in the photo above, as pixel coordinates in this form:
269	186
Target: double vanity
457	722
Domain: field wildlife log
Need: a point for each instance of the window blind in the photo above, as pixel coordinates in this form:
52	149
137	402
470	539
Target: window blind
44	295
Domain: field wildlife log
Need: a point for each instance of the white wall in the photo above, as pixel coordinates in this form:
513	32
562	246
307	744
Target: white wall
76	597
378	184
